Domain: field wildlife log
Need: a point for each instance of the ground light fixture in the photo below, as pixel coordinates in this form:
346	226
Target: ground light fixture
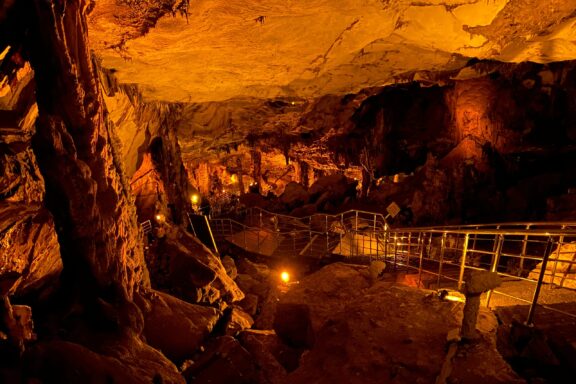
285	277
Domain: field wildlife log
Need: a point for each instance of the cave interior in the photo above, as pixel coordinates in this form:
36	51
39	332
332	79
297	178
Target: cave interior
229	191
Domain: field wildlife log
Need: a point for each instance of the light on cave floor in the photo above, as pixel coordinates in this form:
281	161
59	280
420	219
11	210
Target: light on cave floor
454	298
285	277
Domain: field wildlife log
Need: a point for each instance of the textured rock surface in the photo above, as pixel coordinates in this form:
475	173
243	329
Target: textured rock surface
223	361
183	266
391	333
28	247
65	362
86	189
175	327
228	48
238	321
560	269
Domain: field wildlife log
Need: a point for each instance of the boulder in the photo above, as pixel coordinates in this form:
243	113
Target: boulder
223	361
331	190
175	327
295	195
269	351
249	284
258	271
59	361
250	304
263	346
182	265
237	320
376	270
230	267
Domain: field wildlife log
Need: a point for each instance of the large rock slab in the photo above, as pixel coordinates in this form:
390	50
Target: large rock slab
29	248
184	266
237	320
175	327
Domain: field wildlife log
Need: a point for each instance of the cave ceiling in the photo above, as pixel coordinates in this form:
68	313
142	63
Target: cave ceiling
214	50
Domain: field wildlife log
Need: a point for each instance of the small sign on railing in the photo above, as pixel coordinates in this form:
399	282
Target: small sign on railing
146	226
393	209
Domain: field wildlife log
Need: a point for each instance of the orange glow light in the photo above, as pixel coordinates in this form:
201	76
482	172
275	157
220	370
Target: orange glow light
285	276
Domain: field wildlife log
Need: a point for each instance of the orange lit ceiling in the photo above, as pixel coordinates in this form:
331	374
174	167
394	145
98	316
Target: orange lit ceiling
305	48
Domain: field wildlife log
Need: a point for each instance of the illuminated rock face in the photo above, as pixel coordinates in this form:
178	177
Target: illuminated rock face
224	49
24	223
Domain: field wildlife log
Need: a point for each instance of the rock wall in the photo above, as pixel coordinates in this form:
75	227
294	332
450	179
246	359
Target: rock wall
150	149
460	148
24	223
86	189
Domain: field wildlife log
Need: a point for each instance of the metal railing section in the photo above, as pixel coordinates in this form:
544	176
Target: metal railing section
526	255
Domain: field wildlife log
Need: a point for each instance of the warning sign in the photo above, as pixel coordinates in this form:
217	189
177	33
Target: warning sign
393	209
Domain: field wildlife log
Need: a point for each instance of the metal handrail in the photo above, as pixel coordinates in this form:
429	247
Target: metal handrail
443	252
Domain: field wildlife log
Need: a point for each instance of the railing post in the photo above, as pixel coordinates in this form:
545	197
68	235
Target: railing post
523	254
420	261
463	261
386	233
530	317
409	248
395	251
560	242
375	239
442	250
495	262
327	239
356	224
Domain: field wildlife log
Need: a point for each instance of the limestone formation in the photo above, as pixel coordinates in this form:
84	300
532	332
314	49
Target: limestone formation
175	327
237	321
475	283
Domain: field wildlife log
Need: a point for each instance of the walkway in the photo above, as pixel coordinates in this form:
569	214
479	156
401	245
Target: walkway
525	255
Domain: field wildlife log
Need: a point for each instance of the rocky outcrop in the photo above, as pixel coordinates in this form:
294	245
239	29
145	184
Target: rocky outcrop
561	267
86	189
29	249
175	327
150	149
183	266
